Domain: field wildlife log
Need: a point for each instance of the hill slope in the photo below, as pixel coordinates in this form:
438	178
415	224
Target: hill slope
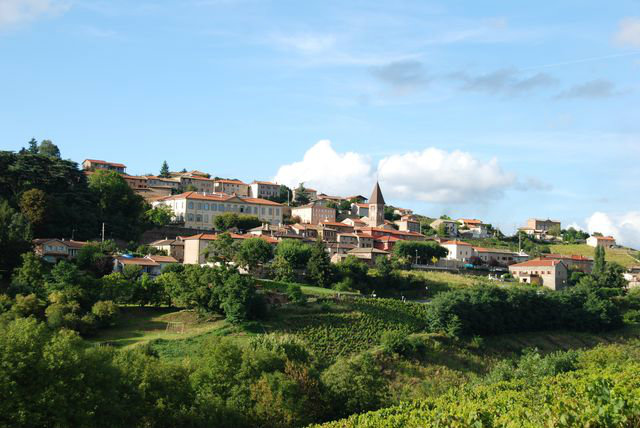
623	256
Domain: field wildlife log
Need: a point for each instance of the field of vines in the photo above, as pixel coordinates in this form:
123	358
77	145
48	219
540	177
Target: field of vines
601	394
357	328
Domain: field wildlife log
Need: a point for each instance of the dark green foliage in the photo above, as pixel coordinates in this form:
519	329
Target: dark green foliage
33	205
291	256
15	238
96	257
389	213
599	262
352	273
242	222
572	235
253	253
295	294
425	251
397	342
489	310
47	148
29	277
159	216
164	170
532	366
319	267
302	197
122	211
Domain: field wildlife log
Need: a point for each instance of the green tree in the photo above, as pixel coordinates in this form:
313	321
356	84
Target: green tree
353	273
29	277
222	249
226	221
15	238
599	262
237	294
319	266
252	253
33	205
424	250
118	206
164	170
47	148
301	195
290	256
159	216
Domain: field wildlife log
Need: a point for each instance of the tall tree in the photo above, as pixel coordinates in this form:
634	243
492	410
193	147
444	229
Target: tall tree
599	263
253	253
47	148
301	195
15	238
164	170
33	146
33	205
319	265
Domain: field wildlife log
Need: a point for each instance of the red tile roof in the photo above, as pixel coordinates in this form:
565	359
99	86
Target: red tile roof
225	180
140	261
573	257
118	165
604	238
213	237
220	197
537	263
162	259
456	243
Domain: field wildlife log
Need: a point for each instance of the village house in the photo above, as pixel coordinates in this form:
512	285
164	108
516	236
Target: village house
151	265
339	227
173	247
601	241
540	229
95	164
355	222
360	209
314	212
230	187
552	274
358	199
368	255
449	227
573	262
197	211
473	228
307	231
408	223
459	250
499	257
264	189
311	194
402	211
195	245
54	250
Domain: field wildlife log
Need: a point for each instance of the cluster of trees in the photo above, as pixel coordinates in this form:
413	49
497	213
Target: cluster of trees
272	381
486	310
241	222
42	195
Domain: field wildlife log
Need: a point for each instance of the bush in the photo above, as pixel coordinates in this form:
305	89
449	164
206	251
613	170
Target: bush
397	342
295	294
105	312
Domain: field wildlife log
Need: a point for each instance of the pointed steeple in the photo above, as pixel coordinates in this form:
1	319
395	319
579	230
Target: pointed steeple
376	196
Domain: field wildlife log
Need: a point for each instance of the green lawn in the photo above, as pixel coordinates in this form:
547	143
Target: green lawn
138	325
306	289
622	256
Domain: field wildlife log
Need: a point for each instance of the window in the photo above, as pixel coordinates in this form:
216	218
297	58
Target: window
206	218
198	217
213	207
190	205
277	211
199	206
263	210
241	208
190	217
206	206
255	210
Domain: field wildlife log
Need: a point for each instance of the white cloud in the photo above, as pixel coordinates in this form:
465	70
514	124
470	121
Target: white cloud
14	12
628	32
435	175
327	171
624	227
432	175
306	43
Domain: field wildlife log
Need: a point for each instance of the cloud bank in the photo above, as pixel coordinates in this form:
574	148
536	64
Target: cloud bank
15	12
628	33
624	227
430	175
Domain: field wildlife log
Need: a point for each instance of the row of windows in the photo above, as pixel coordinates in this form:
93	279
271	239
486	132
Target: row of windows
233	208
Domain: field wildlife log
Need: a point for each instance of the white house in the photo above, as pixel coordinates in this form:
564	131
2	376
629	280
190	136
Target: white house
601	241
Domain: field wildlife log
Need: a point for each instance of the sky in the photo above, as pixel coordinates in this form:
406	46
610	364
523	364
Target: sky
497	110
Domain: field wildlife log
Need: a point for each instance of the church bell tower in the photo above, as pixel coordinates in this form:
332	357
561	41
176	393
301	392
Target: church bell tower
376	207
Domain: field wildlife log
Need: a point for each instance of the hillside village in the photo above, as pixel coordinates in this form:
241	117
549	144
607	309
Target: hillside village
357	226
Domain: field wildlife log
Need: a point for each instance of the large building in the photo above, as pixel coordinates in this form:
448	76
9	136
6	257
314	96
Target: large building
93	164
601	241
540	229
264	189
552	274
197	210
230	187
54	250
314	212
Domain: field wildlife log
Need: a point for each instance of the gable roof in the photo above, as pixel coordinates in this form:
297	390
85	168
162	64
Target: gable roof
376	196
220	197
98	161
538	263
456	243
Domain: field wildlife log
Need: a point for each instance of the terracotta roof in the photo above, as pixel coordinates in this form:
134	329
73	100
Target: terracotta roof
220	197
119	165
470	220
264	182
140	261
492	250
68	243
604	238
225	180
391	231
162	259
388	239
368	250
167	242
573	257
365	235
537	262
213	237
455	243
335	223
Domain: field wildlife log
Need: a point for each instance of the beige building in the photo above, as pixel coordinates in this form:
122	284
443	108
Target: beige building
450	226
573	262
173	247
197	211
195	245
552	274
314	213
375	217
264	189
459	250
230	187
408	223
54	250
540	229
94	164
151	265
499	257
601	241
368	255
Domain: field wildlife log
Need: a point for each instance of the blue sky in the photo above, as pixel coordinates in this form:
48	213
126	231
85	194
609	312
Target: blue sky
497	110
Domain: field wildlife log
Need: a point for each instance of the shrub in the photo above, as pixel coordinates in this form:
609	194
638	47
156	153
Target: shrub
105	312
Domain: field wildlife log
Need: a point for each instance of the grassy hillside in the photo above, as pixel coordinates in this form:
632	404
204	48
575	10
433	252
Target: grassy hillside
623	256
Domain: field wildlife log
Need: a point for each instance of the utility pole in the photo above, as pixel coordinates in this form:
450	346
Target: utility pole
103	231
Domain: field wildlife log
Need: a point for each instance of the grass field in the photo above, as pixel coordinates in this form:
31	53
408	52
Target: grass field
622	256
306	289
138	325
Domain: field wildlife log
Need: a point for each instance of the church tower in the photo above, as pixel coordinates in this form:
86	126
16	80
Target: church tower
376	207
